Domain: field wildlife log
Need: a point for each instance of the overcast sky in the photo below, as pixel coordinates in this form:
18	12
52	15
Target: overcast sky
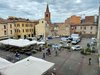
60	9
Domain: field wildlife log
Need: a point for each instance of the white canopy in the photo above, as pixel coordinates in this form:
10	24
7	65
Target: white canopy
4	63
28	66
40	43
18	42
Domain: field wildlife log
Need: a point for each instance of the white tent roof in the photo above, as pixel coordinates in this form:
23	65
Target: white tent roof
40	43
4	63
19	42
28	66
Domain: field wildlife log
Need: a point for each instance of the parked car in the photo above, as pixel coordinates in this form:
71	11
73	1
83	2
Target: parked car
70	38
76	48
69	41
63	39
57	46
65	45
93	40
74	42
50	37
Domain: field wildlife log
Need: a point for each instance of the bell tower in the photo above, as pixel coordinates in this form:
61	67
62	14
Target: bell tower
48	15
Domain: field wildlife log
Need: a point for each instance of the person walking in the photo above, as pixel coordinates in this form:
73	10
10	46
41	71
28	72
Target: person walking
56	51
89	61
44	53
49	51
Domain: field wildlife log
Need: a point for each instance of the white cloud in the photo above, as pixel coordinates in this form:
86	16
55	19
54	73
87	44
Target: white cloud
60	9
78	1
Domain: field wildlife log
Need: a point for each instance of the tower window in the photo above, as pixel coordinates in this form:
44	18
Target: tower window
46	15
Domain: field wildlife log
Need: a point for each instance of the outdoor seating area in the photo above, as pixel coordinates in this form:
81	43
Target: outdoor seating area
22	46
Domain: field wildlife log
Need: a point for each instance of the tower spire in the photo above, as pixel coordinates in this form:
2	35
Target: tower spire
47	15
47	9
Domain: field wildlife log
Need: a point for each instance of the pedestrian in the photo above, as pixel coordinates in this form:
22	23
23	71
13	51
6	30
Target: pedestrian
89	61
44	53
17	55
56	52
49	51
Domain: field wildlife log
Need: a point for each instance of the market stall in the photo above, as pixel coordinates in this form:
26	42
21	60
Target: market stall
28	66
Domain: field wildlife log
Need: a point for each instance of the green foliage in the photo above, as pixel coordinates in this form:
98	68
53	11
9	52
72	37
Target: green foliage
86	51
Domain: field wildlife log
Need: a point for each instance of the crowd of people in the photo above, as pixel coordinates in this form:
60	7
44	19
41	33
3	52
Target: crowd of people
48	51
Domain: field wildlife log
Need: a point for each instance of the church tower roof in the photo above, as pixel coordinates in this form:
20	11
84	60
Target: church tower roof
47	9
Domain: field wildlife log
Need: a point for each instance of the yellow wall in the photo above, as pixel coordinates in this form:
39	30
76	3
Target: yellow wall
42	28
2	35
10	27
24	28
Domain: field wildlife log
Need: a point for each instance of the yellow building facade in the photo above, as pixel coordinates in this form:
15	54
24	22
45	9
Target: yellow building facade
17	28
42	29
3	31
10	30
24	29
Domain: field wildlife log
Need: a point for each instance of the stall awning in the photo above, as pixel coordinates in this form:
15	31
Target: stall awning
28	66
18	42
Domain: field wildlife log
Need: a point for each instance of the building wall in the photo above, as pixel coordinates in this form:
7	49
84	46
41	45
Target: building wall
11	28
89	19
62	29
75	20
24	29
67	21
42	28
3	31
84	29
